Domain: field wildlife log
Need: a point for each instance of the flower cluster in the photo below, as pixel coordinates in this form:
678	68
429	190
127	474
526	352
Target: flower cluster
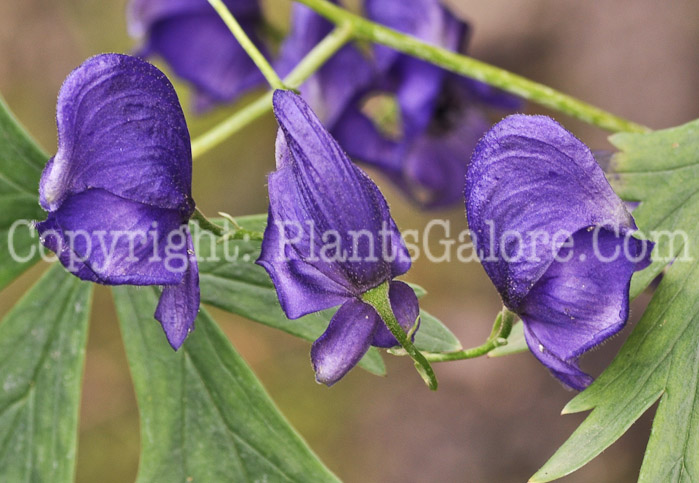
124	167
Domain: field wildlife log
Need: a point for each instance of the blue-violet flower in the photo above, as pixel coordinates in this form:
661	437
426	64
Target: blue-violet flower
329	239
198	46
425	121
554	238
334	85
118	190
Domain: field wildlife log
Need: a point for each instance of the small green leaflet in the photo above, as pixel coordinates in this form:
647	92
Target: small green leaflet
660	360
21	162
204	415
230	280
42	351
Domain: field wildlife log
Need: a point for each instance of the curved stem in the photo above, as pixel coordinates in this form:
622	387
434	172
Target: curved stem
378	298
498	337
236	234
315	59
207	224
467	66
267	70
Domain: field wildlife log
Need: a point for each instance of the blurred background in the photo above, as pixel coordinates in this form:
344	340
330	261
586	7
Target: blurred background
492	419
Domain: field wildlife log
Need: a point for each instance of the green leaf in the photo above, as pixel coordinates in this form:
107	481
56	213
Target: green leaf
42	351
515	343
21	162
660	360
661	170
204	415
434	336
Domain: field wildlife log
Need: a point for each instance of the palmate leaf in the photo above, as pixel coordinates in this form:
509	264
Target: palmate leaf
42	351
660	360
21	162
230	280
204	415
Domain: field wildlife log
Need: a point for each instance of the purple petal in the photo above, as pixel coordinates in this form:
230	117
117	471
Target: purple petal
565	371
307	29
427	20
141	14
374	149
530	185
435	169
103	238
301	287
346	340
323	198
201	50
330	89
198	46
179	304
417	84
120	129
429	169
406	309
582	299
418	87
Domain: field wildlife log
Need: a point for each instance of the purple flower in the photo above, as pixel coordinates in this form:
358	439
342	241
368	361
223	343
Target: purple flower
118	190
198	46
333	86
438	116
329	239
554	238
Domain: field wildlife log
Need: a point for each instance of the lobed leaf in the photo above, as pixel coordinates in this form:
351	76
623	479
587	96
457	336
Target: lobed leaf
660	360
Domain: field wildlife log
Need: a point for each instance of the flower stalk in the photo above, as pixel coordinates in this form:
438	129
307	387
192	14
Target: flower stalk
260	61
237	234
498	337
541	94
315	59
378	299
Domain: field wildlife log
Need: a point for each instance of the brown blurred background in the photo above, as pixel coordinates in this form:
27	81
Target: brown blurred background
492	419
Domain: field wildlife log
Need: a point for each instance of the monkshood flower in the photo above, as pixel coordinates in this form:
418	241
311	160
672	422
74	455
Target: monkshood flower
554	238
334	85
118	190
318	197
437	116
191	37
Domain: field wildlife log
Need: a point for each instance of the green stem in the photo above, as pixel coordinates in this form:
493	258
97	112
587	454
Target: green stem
378	298
320	54
218	230
467	66
272	78
498	337
229	126
207	224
